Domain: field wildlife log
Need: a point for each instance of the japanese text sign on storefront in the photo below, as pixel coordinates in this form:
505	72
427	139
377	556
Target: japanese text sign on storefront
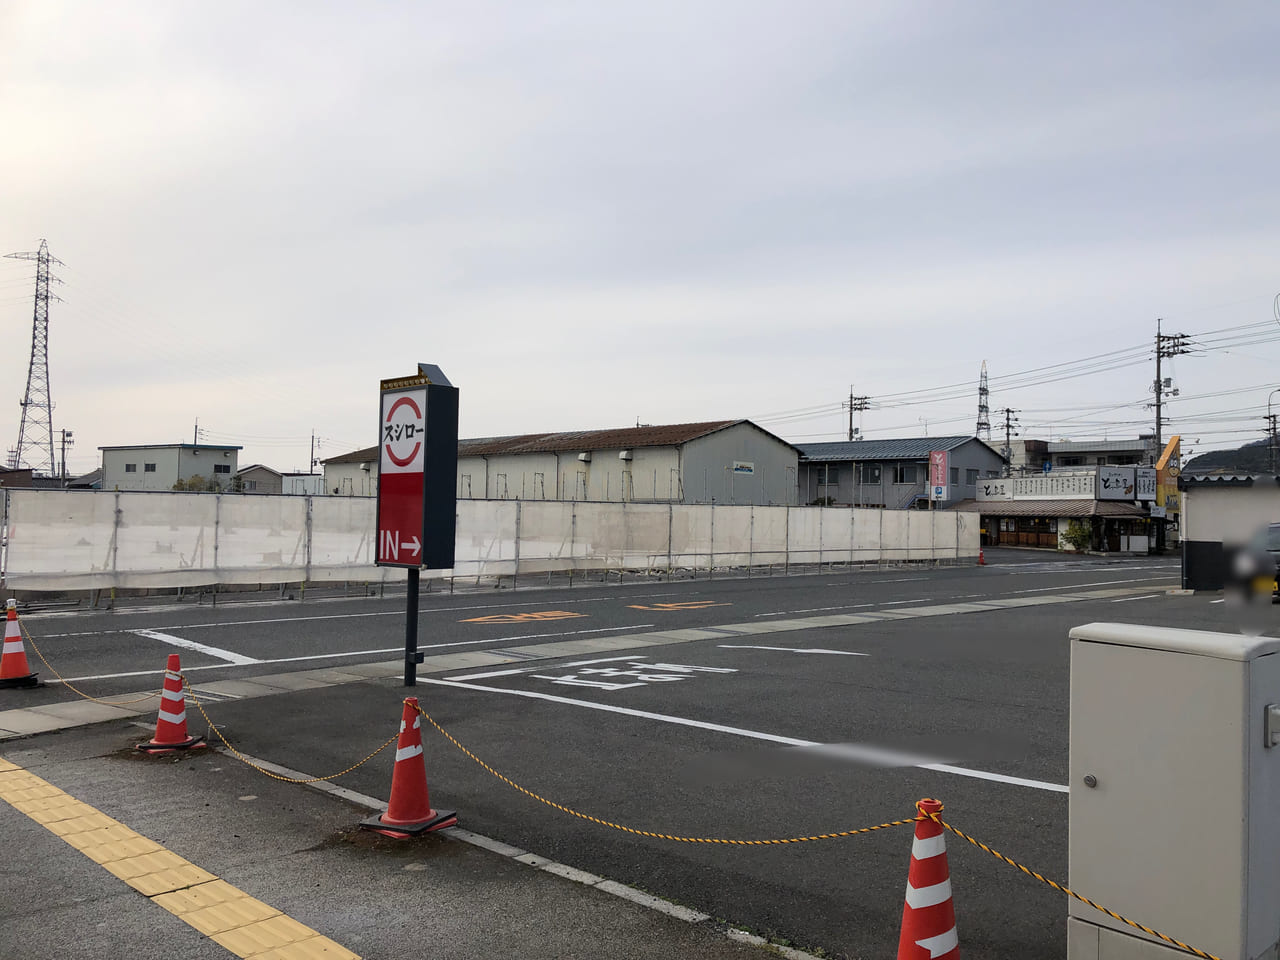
417	470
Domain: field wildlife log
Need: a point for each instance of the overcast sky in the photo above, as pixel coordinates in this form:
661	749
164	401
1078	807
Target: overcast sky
590	214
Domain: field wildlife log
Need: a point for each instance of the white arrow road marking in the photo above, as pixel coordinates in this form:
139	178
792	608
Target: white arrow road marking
414	546
843	653
216	652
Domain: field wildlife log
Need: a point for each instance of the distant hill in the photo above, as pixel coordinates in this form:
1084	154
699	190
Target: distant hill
1251	458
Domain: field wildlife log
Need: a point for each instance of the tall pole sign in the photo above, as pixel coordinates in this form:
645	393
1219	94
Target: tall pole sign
417	470
937	476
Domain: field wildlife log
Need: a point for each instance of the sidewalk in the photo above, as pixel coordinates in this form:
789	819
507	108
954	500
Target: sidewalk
295	849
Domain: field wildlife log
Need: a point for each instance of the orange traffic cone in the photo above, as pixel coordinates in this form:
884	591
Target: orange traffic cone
14	671
409	810
171	722
982	558
929	917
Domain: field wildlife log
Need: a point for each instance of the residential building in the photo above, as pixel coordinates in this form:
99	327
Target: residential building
722	461
160	466
894	473
1031	456
257	478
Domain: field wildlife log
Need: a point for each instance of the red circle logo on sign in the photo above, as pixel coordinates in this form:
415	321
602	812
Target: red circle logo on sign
417	415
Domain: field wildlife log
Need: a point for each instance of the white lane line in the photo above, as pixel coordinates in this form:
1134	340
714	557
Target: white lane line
541	666
349	653
216	652
732	646
739	732
846	606
1146	596
1220	600
348	616
1086	586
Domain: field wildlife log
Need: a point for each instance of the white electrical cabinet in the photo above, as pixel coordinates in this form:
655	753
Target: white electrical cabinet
1175	792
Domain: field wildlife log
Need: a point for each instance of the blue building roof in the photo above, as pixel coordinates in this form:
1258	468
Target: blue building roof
912	448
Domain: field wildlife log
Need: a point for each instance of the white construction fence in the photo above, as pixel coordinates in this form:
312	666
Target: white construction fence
92	540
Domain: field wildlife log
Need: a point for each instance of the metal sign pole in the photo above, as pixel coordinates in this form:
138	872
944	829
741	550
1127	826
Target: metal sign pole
411	657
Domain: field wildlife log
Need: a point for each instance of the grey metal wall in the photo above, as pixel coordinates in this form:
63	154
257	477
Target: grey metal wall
707	468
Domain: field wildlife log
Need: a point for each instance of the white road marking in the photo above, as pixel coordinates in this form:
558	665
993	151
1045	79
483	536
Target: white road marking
1086	586
1220	600
215	652
353	653
845	606
508	673
1146	596
739	732
846	653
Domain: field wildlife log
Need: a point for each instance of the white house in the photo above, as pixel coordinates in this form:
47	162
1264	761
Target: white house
159	466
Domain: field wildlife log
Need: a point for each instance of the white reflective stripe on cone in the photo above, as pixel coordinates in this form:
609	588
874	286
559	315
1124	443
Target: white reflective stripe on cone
177	695
918	897
12	646
405	753
174	717
942	944
929	847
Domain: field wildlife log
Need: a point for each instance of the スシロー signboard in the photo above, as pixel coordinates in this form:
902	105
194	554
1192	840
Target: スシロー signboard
417	469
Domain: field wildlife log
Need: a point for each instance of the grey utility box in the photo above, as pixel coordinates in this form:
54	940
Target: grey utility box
1175	792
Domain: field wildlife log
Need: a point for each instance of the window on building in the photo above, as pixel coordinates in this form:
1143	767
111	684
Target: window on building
993	474
829	474
1125	459
148	468
222	468
955	476
1071	461
869	473
130	468
970	477
904	473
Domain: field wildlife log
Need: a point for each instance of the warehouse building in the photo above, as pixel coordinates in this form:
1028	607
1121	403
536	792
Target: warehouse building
721	461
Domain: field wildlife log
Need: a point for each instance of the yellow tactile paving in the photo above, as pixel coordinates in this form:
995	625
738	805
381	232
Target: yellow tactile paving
127	868
82	823
126	849
52	809
244	925
199	897
166	881
256	938
229	916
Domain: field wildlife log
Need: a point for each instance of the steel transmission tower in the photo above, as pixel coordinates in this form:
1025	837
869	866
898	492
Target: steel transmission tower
984	408
35	435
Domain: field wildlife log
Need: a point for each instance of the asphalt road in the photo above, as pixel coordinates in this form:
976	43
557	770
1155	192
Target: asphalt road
712	737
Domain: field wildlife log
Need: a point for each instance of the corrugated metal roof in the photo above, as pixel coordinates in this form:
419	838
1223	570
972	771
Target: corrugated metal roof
579	441
911	448
1051	508
624	438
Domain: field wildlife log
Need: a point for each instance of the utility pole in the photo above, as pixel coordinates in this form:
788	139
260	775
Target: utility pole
195	433
1167	345
855	405
1010	421
311	464
66	442
36	429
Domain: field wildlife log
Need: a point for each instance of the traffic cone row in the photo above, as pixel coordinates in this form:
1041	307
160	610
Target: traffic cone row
14	671
171	721
929	917
409	810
